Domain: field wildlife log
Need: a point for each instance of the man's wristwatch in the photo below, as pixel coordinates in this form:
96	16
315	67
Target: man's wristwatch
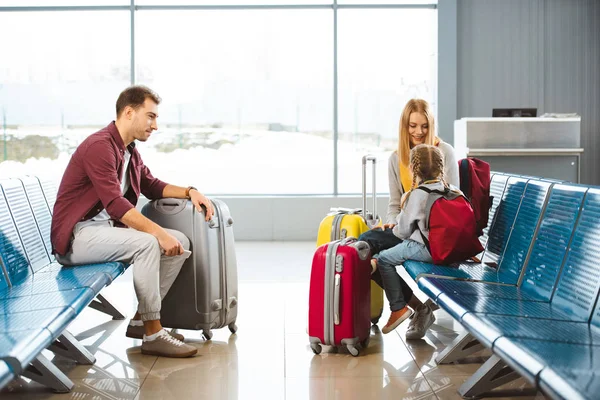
187	191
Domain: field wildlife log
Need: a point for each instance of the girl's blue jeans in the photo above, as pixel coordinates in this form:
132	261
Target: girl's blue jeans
387	260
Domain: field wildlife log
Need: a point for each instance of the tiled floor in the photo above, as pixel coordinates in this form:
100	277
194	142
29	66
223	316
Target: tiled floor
269	357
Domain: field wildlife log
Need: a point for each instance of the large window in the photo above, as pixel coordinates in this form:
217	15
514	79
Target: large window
247	98
250	95
59	78
62	3
391	59
232	2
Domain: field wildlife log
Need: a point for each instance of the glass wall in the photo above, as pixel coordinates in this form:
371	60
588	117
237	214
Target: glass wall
60	74
249	112
385	58
248	86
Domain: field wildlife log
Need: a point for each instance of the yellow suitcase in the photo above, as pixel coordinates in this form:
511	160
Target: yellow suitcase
343	222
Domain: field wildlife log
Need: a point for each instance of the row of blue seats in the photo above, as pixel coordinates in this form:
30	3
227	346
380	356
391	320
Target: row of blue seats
38	297
533	299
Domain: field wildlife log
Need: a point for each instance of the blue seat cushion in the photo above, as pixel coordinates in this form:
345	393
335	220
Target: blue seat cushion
113	269
55	320
77	299
433	287
563	384
530	356
489	327
19	348
57	281
459	305
465	271
6	374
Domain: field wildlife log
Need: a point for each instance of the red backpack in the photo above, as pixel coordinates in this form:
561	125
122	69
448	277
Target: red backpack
475	184
452	227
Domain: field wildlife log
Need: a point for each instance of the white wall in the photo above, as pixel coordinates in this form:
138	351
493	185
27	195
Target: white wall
522	53
285	217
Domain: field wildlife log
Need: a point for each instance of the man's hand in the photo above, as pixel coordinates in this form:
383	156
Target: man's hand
198	199
170	244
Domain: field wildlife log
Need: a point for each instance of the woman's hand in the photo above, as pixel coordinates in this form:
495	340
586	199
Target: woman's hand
385	226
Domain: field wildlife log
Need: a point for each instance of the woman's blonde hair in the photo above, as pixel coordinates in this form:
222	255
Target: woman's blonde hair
426	163
422	107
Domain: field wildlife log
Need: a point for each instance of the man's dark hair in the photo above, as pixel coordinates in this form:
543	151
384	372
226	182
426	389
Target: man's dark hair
135	96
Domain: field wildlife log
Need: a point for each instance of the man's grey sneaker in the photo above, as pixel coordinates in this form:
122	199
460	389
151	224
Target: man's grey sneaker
165	345
137	332
422	320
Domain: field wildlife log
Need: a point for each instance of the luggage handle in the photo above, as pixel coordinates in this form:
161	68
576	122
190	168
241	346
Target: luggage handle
347	240
344	210
372	220
170	205
336	299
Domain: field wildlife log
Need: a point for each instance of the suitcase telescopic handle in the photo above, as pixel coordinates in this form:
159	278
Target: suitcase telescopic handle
336	299
370	220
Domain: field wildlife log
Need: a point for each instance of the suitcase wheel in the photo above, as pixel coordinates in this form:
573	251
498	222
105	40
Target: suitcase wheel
207	334
353	350
232	327
316	348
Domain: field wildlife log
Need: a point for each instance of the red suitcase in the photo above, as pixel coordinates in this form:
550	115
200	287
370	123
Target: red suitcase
339	309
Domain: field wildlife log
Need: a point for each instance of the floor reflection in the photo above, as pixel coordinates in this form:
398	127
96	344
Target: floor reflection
268	358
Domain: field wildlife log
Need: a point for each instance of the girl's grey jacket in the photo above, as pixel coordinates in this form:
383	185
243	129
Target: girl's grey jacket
396	191
412	217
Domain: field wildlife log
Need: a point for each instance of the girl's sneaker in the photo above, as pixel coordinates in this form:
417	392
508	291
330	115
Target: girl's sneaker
396	319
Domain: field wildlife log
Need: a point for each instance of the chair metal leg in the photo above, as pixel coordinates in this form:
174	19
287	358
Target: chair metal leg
461	347
67	346
43	371
492	374
104	306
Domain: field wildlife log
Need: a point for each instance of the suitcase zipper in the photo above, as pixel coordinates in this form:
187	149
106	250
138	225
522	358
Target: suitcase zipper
193	248
335	227
223	262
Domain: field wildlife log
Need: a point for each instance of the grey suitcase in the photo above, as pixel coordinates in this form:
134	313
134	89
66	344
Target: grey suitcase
205	294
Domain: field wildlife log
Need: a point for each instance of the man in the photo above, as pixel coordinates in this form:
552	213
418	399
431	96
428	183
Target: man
95	219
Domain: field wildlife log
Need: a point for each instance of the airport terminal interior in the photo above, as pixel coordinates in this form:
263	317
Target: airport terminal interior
289	116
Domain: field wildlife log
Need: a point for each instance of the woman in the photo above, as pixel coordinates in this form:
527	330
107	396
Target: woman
417	126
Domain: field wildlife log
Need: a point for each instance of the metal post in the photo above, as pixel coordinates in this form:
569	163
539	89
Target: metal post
335	102
4	135
132	70
180	126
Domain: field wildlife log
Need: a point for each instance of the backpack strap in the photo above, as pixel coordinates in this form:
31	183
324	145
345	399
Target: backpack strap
465	181
434	195
425	240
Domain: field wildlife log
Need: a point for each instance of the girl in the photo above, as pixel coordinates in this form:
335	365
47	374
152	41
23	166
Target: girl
427	169
417	126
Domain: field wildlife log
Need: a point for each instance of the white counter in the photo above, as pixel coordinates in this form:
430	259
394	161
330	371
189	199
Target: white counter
545	147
